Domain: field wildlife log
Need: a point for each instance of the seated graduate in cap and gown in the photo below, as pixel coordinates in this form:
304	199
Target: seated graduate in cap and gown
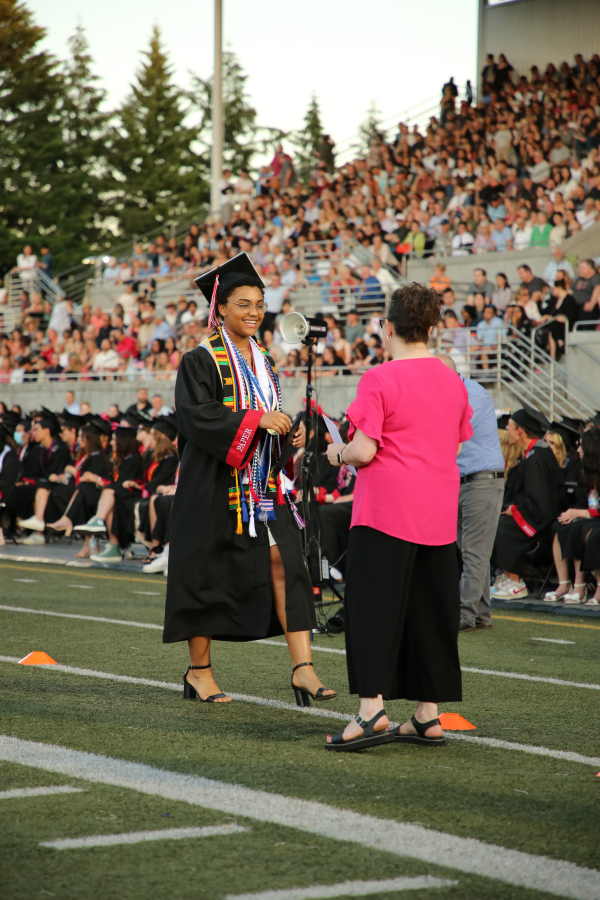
535	497
160	473
93	472
236	568
31	498
10	464
115	513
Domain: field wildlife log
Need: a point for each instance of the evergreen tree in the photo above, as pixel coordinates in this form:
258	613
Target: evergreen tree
156	175
83	173
307	141
31	146
241	133
370	130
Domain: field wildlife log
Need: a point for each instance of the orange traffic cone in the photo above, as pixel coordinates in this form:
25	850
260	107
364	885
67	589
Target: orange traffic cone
37	658
455	722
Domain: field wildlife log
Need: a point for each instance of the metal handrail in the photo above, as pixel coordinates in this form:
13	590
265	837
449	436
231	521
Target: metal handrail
527	371
584	323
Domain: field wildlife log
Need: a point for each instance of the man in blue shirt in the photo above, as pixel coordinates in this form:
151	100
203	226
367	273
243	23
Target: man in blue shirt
481	466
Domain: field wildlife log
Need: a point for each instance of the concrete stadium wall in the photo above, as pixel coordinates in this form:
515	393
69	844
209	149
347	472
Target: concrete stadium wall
334	394
536	32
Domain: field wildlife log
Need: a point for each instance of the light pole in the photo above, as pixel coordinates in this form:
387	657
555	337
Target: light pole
216	162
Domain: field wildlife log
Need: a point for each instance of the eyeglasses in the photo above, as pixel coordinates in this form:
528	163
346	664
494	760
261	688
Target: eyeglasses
258	307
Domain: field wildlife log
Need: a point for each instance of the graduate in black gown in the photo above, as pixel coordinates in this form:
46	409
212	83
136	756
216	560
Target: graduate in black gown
161	471
236	570
536	497
116	508
53	459
93	472
10	465
576	531
563	439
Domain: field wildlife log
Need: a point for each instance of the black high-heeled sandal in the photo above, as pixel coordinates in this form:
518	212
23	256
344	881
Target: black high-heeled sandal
420	737
303	695
369	737
190	692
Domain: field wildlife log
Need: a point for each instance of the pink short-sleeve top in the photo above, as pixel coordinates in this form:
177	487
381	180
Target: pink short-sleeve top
418	412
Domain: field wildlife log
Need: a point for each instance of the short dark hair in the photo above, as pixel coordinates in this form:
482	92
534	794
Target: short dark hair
414	309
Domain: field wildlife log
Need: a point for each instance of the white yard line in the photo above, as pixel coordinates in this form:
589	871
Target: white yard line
475	671
558	877
313	711
551	640
45	612
348	889
16	793
139	837
84	587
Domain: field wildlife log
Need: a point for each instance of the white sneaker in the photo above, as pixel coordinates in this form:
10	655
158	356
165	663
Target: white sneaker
32	524
159	564
499	583
514	590
34	539
166	572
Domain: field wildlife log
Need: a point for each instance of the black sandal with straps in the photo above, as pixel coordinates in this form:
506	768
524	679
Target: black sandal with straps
369	737
190	693
420	737
303	695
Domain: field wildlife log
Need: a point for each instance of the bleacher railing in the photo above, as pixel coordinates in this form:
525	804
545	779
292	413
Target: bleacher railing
34	281
515	362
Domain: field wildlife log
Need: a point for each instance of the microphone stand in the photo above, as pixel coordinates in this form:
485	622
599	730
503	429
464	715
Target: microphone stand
317	565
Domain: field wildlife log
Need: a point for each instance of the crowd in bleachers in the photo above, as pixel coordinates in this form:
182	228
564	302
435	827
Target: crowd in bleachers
518	169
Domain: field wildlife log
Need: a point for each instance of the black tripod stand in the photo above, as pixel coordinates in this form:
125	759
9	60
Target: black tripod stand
316	563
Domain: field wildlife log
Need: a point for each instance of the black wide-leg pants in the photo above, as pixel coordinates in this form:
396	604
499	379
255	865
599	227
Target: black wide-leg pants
403	613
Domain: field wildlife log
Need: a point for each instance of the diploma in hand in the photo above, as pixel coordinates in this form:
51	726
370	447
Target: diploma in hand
336	436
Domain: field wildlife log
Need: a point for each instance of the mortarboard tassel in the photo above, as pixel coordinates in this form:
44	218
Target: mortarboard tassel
212	312
238	487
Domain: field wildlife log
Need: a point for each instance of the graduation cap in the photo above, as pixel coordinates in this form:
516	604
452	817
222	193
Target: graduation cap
98	425
167	425
70	420
124	427
214	283
569	435
574	424
48	419
138	419
532	420
503	421
9	421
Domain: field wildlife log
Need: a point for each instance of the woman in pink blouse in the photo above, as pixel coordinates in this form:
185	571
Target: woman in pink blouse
407	424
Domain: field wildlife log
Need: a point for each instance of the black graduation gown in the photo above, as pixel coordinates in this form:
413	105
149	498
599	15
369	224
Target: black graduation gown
572	472
164	473
42	463
537	495
335	521
591	552
10	470
84	503
163	506
123	523
219	582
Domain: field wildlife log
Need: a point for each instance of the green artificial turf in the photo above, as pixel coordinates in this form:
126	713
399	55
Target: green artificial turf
463	789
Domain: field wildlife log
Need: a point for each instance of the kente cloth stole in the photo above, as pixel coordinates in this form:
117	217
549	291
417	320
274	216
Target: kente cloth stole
255	492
